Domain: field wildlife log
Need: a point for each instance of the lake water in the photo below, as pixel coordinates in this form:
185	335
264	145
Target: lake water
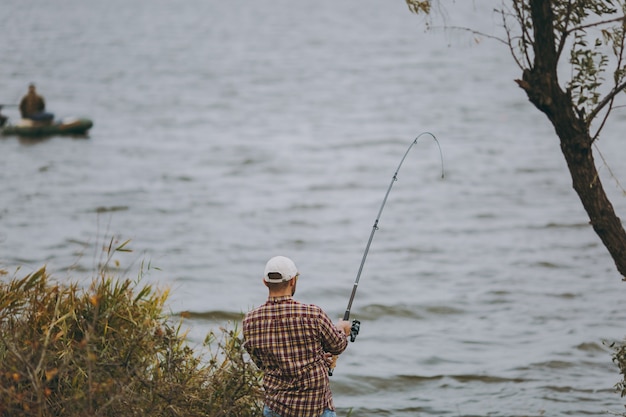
227	132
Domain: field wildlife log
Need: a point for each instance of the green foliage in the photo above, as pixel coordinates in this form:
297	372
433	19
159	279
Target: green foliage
593	33
110	351
588	66
589	62
619	358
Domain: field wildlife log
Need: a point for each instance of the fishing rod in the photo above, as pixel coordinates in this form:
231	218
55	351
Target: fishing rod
356	324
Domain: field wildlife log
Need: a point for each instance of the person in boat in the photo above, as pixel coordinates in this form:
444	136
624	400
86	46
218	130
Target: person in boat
292	343
33	106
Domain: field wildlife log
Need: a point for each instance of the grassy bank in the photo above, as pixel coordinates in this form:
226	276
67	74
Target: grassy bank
109	350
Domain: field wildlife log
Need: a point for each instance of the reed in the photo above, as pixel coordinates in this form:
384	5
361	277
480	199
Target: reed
109	350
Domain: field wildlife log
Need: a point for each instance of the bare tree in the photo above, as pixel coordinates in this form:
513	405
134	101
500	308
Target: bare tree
589	36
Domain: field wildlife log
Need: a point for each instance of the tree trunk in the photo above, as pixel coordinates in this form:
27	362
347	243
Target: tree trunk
542	88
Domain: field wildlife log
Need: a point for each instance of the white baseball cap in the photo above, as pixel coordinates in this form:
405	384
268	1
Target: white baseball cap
280	265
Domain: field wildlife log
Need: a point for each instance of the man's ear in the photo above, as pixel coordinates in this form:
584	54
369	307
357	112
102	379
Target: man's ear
265	283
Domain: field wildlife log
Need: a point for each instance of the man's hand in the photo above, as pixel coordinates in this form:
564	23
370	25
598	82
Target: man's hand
344	325
331	360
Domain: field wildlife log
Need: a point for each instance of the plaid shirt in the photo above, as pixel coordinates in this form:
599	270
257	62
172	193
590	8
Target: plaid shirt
287	340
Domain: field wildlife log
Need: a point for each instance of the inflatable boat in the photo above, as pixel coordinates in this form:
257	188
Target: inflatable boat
66	126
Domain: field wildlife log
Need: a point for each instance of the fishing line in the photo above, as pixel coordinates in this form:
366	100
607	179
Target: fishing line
355	323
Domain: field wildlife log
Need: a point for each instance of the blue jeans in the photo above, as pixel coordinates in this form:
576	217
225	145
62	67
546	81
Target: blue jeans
41	116
269	413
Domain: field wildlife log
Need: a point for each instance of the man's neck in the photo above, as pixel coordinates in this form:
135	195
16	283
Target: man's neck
276	294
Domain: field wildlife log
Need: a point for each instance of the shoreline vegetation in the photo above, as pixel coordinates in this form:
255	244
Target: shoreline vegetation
110	350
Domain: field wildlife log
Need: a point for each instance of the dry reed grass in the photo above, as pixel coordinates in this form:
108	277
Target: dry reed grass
109	350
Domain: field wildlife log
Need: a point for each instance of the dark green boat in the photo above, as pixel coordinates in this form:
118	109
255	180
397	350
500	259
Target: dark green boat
69	126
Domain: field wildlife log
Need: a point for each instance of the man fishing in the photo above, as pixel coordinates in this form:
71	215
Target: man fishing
292	343
33	106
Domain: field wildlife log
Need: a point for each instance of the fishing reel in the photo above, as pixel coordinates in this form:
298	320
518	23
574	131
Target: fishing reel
354	329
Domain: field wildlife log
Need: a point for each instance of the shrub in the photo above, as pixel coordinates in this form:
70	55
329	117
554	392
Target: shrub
109	350
619	358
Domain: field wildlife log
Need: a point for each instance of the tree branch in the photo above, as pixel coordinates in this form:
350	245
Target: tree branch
565	32
606	100
525	35
473	32
596	24
546	60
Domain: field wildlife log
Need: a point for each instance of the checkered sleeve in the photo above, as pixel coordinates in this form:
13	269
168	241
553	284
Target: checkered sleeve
334	340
